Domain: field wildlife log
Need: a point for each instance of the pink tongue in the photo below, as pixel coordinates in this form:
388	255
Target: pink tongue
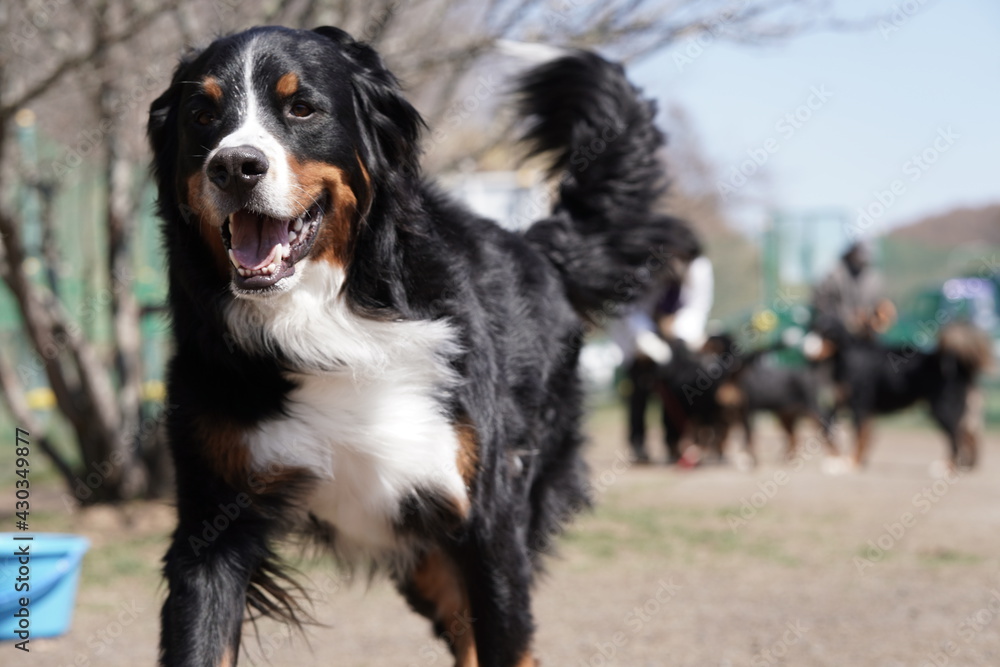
254	237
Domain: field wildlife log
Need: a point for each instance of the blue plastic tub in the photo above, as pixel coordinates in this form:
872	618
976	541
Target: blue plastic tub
54	573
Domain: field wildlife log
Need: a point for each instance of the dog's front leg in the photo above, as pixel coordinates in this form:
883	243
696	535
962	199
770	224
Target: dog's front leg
215	550
497	572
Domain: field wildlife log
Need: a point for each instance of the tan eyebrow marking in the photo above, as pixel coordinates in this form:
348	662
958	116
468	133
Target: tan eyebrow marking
287	84
212	88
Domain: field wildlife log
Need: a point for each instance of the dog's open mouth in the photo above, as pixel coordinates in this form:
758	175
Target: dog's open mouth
263	249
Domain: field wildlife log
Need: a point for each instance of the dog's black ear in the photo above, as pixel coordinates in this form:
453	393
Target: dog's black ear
161	127
160	112
390	125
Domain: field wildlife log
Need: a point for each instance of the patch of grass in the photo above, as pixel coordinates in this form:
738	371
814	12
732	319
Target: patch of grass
733	515
137	557
708	539
600	545
726	512
865	551
51	521
680	533
944	556
771	551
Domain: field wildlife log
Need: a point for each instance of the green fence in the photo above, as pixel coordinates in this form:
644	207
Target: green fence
73	259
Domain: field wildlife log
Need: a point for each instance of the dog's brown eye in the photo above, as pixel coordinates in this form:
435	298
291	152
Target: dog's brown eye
300	110
204	118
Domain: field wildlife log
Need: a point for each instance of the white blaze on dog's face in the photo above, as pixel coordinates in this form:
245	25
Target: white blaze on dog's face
270	138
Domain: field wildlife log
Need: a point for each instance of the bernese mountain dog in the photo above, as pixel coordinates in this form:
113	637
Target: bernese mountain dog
749	382
873	378
360	358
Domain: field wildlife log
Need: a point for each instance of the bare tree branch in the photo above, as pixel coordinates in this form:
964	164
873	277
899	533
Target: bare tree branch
38	322
71	63
120	218
86	396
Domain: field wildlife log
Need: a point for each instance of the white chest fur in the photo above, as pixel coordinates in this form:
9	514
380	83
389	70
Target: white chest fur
365	416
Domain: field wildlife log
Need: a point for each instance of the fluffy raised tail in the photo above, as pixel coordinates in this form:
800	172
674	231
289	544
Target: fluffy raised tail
598	131
968	345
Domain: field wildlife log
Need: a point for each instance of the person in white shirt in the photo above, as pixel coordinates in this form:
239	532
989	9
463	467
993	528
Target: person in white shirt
678	312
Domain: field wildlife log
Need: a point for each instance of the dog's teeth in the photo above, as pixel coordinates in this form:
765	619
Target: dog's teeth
286	251
297	227
292	236
232	259
243	272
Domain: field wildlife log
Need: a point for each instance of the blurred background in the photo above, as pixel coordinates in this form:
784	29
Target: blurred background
795	128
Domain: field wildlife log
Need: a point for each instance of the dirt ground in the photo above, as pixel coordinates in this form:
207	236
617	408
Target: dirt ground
784	565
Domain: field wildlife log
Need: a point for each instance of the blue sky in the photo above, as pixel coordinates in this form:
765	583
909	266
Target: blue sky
929	89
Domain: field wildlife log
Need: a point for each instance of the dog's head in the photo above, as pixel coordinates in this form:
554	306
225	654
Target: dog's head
274	142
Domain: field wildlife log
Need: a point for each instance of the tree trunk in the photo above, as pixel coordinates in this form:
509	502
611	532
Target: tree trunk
119	216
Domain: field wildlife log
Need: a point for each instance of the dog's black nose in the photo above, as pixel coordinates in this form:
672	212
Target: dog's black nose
237	169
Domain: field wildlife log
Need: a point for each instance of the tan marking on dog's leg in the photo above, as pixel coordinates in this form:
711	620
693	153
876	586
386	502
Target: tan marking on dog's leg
862	442
788	426
744	418
438	580
224	450
970	428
